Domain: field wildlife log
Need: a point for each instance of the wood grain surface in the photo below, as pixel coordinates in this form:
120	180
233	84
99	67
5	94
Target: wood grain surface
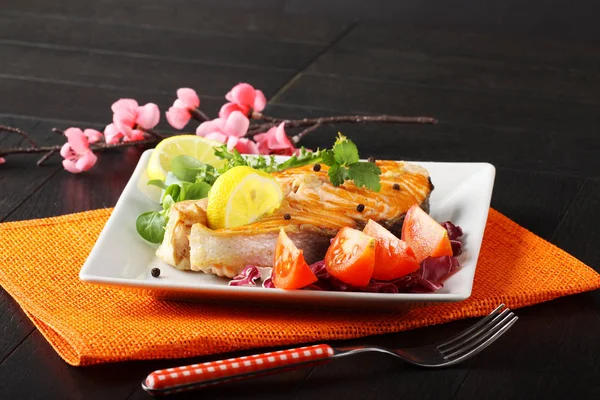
513	83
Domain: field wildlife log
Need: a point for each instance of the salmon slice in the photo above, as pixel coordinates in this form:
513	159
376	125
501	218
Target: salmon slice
317	210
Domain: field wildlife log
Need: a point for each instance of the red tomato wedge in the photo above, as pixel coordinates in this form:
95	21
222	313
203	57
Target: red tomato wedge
393	257
424	235
351	257
290	270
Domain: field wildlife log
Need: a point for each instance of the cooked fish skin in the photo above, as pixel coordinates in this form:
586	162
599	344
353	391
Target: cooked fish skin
317	211
175	247
225	253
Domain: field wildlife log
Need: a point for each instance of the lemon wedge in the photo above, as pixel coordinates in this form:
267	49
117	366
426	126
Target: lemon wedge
189	145
241	196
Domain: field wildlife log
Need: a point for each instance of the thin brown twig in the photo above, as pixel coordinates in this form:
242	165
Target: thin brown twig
100	146
388	119
198	115
260	116
19	132
154	133
297	138
45	157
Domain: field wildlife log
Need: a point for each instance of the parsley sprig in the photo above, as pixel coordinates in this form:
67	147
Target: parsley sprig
344	164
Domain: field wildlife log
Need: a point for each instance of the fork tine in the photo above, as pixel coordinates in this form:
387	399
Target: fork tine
482	340
474	327
483	345
474	333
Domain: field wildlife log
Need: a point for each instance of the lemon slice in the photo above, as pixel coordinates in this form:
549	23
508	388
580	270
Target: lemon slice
189	145
241	196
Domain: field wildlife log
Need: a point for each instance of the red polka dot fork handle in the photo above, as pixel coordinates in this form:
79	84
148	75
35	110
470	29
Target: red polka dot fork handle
196	376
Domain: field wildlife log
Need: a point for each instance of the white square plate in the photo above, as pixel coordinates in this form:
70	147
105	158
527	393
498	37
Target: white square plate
121	258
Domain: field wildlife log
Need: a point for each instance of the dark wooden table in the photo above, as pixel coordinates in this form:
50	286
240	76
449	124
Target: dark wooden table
521	91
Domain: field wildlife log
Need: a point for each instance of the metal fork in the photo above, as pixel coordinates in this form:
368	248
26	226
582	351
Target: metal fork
452	351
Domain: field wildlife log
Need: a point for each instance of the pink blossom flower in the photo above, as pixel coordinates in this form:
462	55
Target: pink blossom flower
244	98
275	141
2	160
112	134
130	120
229	130
76	152
180	113
92	135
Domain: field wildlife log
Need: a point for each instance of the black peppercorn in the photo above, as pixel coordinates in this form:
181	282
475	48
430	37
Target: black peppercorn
317	167
155	272
287	217
360	207
396	186
371	159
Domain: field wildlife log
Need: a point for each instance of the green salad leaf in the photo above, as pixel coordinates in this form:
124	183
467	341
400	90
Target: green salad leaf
151	226
157	182
188	169
197	191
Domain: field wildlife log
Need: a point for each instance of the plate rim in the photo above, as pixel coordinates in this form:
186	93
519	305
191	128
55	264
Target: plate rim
158	285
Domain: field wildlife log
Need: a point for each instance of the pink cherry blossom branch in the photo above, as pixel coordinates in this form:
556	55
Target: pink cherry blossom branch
50	150
241	125
94	147
154	137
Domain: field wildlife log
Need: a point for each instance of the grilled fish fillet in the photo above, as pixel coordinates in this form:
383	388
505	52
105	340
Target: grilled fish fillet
175	247
317	210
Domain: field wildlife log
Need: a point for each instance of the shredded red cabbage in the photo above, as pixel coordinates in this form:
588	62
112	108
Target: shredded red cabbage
428	278
248	276
454	233
268	283
251	274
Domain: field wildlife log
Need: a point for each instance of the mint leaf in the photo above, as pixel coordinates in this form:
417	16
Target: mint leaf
157	182
186	168
345	151
328	157
337	174
197	191
151	226
365	174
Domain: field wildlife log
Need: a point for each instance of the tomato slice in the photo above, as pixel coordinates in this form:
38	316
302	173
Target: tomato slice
290	270
393	257
424	235
351	256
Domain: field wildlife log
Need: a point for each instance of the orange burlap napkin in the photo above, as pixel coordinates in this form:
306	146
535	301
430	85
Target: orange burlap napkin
88	324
